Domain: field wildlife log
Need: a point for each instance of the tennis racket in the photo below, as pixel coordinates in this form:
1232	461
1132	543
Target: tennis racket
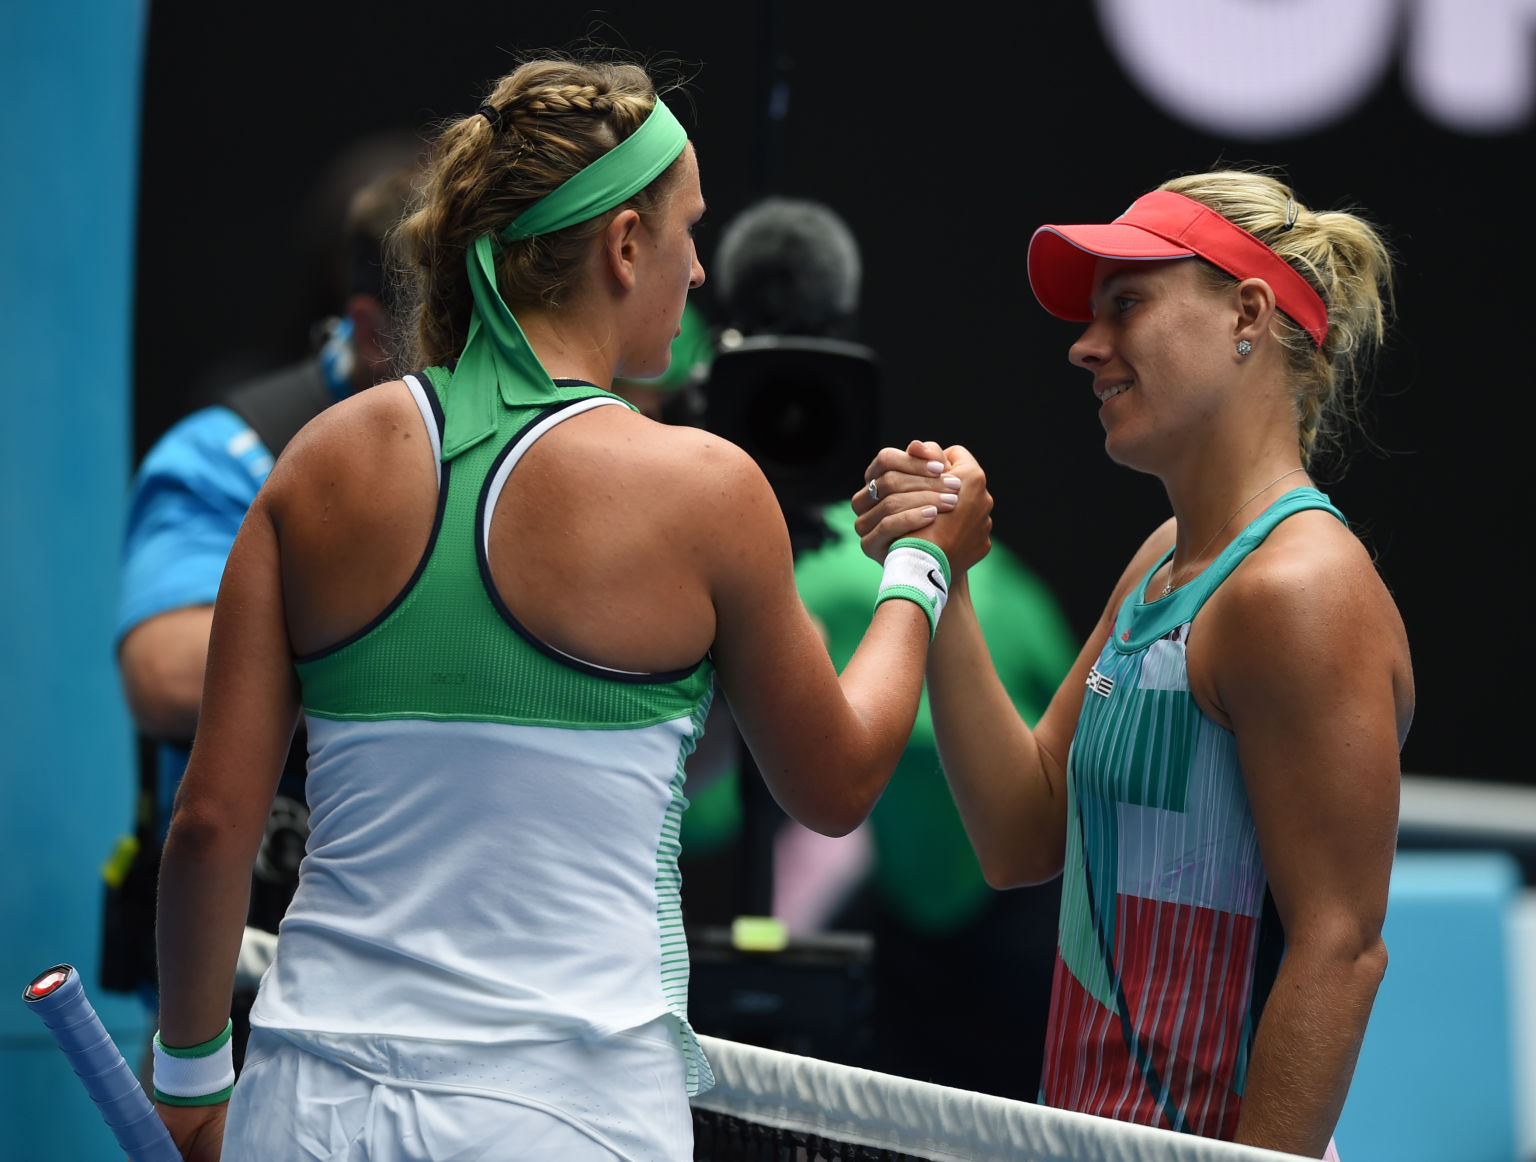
58	998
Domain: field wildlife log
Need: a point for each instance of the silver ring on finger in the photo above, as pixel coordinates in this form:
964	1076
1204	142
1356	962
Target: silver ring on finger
873	488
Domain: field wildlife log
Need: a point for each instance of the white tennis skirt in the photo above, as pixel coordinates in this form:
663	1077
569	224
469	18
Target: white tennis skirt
352	1099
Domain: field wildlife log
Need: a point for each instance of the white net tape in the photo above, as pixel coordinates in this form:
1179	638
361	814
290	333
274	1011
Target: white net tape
927	1121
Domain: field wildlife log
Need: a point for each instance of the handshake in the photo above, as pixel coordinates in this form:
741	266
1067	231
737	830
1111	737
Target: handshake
925	491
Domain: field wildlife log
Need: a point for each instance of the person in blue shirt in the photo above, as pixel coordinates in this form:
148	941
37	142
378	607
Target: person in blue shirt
189	497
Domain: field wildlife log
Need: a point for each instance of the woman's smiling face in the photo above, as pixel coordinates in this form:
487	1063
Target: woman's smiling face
1160	353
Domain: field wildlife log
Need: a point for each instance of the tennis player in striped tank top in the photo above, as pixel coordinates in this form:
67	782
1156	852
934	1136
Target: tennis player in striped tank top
1217	778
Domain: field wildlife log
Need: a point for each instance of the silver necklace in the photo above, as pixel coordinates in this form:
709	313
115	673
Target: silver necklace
1169	587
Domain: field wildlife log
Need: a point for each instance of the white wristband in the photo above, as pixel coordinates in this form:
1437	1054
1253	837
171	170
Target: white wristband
201	1075
917	570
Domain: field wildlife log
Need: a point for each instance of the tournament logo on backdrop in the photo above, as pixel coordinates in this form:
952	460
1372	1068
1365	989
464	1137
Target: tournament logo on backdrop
1262	70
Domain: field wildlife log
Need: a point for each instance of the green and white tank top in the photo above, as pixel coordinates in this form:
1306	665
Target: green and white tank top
494	824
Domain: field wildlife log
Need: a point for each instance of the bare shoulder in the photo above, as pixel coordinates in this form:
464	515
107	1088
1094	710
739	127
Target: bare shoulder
1311	568
1306	610
727	507
639	489
724	471
358	446
671	470
353	499
689	456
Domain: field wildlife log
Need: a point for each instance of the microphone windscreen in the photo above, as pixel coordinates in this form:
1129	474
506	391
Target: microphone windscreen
788	266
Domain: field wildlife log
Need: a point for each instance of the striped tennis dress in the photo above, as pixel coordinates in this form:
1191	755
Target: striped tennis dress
1168	940
494	824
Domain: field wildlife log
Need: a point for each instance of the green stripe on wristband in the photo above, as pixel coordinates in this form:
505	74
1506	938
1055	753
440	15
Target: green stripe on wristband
918	597
195	1075
207	1049
913	569
210	1099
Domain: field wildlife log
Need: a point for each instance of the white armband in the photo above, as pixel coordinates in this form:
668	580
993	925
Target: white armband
917	570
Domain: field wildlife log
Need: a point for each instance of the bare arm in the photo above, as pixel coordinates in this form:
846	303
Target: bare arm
1008	781
249	709
826	744
161	661
1309	664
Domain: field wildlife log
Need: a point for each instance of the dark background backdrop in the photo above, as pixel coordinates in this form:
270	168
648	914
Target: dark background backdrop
943	141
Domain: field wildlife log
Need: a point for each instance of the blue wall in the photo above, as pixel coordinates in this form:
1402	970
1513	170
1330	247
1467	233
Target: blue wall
1433	1083
69	134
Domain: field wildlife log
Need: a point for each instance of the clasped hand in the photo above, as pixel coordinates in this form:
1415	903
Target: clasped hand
939	494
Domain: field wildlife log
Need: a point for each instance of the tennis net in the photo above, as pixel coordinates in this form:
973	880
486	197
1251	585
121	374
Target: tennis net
769	1106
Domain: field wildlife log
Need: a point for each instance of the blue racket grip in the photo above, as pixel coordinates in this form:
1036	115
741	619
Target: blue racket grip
59	999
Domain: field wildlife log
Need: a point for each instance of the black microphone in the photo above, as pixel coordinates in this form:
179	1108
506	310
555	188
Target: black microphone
788	266
787	382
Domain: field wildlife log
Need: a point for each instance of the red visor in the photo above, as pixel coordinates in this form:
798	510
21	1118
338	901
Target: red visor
1159	226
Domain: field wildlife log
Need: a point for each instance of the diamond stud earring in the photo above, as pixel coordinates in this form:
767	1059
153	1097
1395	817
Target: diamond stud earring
1243	348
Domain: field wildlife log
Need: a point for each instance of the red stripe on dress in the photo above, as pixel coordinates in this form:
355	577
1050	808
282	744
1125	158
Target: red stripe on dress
1191	1012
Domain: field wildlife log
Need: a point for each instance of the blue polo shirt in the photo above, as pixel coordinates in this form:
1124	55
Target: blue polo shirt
189	497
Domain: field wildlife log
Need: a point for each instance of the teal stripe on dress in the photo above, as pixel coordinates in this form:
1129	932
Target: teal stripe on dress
669	905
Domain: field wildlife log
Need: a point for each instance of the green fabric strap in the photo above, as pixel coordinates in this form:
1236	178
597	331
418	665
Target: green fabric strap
497	358
622	172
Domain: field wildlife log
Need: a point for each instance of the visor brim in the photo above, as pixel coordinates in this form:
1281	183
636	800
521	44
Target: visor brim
1062	258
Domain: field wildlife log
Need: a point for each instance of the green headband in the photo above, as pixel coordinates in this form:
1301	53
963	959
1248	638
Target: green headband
496	356
622	172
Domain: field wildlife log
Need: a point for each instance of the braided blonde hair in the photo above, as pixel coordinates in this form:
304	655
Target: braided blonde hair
1343	258
555	117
